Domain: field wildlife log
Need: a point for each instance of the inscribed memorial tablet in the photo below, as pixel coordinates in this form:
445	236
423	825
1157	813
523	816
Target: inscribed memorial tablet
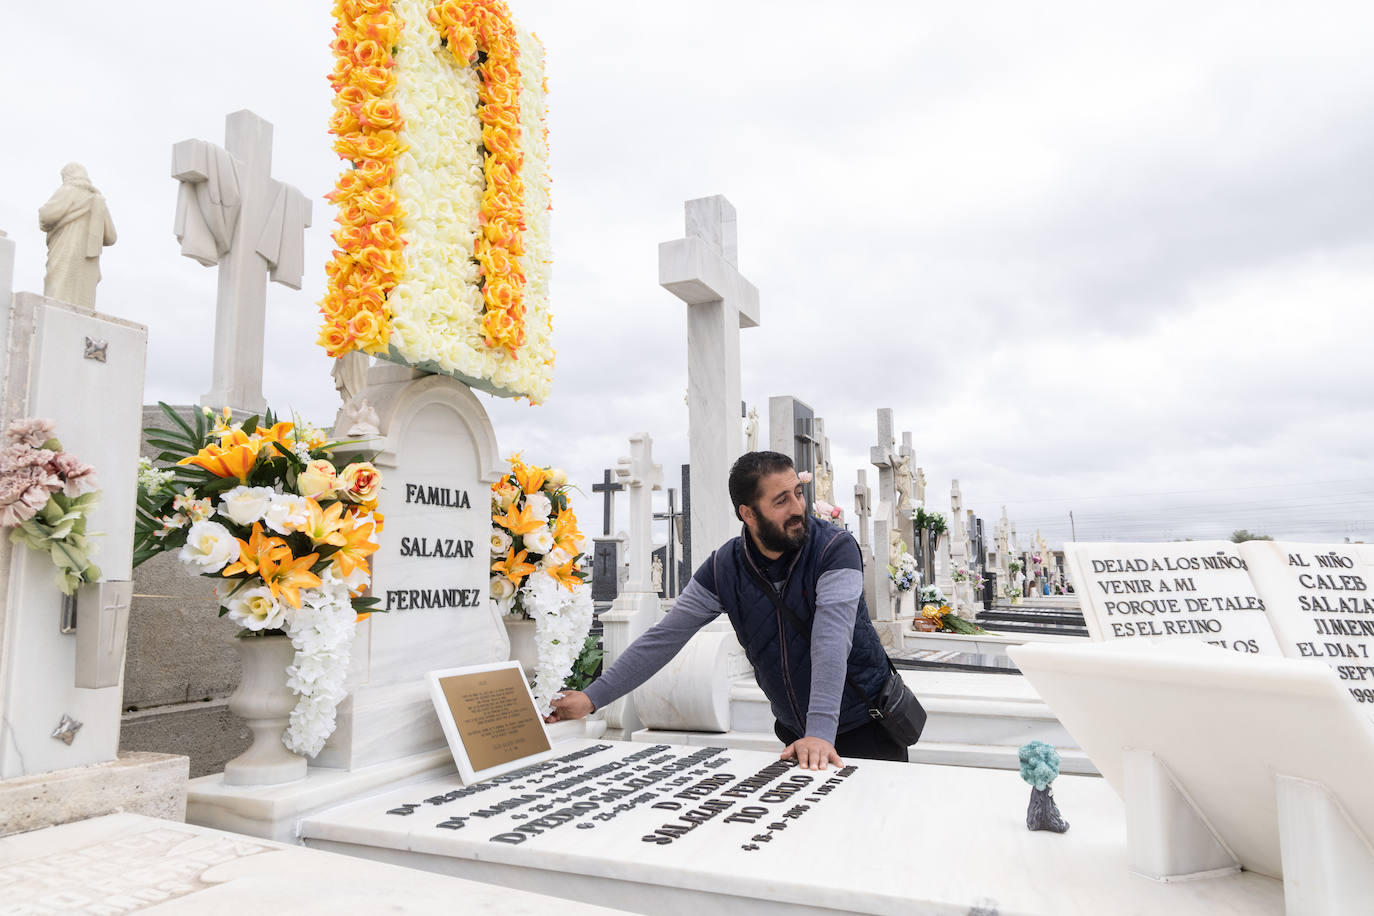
489	718
1320	606
1192	590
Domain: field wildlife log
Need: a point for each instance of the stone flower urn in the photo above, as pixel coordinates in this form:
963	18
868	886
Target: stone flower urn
264	702
523	647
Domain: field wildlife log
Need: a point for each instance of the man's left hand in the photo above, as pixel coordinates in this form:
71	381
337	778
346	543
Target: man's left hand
812	753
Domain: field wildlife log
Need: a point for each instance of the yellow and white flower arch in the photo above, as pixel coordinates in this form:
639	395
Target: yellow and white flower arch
443	257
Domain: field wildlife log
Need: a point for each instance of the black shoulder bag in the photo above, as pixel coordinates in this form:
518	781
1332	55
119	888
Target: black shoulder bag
896	708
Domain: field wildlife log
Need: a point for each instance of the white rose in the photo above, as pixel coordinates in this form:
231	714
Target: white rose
539	505
245	505
502	589
539	540
256	609
209	546
286	513
500	543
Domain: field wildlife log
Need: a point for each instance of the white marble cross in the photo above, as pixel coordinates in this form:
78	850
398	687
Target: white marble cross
232	213
885	459
863	507
639	475
702	270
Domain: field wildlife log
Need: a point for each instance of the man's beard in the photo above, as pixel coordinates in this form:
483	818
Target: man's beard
778	538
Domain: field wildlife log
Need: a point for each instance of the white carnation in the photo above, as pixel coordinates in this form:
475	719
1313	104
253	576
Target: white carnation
245	505
209	546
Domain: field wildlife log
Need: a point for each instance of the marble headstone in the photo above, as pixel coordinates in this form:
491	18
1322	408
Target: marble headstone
438	459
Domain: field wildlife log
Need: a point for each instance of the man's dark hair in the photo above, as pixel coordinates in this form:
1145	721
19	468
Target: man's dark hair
745	474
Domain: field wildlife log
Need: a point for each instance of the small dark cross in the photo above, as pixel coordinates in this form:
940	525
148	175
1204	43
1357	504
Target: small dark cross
608	487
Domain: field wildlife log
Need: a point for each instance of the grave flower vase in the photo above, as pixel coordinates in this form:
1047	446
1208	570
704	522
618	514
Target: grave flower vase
523	647
264	702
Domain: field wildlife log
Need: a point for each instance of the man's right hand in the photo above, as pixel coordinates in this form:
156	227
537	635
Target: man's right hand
571	704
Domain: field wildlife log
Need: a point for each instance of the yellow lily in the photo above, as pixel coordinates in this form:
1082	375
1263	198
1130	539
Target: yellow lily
565	531
513	567
233	457
530	479
278	432
260	548
565	575
324	525
288	575
519	521
355	547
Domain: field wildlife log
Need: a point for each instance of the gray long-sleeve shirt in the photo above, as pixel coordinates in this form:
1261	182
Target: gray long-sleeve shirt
832	634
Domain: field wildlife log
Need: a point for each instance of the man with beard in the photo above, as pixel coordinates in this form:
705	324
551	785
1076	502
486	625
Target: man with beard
819	682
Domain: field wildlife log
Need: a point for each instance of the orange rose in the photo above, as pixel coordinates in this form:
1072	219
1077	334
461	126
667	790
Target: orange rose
380	114
364	326
383	233
375	173
374	80
335	340
367	53
351	237
349	96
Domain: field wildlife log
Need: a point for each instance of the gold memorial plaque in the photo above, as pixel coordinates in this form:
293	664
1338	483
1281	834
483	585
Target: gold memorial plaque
489	710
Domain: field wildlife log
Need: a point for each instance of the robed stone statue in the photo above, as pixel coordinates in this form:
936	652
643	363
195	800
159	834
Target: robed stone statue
78	225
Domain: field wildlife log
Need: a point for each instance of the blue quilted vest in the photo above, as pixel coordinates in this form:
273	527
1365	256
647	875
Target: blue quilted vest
781	657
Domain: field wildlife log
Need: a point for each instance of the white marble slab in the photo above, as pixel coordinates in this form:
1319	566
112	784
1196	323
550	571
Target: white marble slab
1197	591
1223	725
671	829
128	863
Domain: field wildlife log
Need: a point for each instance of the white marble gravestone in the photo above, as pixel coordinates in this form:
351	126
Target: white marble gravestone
1198	591
84	371
702	270
438	461
125	863
232	213
670	829
636	608
438	457
48	374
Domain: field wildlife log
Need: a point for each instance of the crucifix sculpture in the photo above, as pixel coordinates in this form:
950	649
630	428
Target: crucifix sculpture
232	213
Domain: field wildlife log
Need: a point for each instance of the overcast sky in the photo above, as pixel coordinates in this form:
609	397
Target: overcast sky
1114	259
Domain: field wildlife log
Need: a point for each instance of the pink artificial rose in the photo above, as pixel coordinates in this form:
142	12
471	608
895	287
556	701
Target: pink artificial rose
77	476
30	432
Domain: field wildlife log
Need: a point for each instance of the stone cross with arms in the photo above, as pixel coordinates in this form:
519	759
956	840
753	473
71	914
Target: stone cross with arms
232	213
702	270
884	459
640	476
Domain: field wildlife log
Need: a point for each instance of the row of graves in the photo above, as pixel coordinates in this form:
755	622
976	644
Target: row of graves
400	761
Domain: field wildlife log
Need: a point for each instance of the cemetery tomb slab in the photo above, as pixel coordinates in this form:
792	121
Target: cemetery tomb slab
126	863
665	828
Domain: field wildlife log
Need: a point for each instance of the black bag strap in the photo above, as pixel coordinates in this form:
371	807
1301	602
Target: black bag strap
805	633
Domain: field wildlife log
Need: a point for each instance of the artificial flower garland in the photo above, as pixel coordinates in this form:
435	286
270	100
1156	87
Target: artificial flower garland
443	247
262	508
536	551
